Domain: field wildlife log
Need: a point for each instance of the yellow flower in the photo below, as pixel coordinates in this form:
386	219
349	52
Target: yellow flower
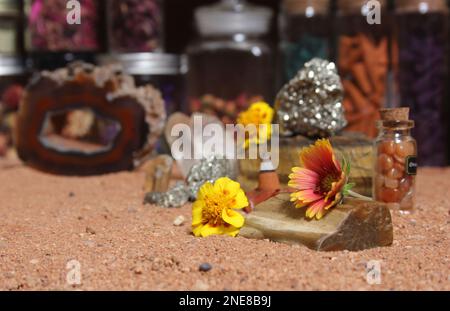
259	114
214	211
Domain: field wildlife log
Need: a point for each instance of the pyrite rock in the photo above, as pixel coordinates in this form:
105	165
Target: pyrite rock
355	225
311	103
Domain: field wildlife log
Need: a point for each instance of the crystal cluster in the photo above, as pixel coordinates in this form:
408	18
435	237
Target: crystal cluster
207	170
311	103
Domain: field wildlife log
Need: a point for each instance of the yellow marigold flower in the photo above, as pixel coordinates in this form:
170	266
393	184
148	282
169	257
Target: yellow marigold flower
214	211
259	113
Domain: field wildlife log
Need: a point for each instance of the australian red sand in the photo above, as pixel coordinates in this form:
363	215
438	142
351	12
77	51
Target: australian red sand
94	233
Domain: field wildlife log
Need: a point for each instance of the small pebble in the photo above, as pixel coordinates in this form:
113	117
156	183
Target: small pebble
10	274
89	243
205	267
34	261
90	230
201	286
138	270
71	194
179	221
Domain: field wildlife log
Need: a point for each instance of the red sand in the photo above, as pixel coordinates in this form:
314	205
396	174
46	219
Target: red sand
124	245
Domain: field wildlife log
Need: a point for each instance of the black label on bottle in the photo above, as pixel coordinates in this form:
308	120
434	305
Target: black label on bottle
411	165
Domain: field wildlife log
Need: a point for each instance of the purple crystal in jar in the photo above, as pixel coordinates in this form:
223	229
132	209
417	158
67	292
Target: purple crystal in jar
421	77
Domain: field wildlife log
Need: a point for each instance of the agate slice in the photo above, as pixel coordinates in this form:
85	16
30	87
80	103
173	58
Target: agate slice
85	120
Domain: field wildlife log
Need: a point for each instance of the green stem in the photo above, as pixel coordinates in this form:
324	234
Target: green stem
359	196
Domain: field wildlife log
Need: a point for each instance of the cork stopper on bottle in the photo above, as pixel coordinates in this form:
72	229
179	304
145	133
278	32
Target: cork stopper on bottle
355	6
302	6
421	6
395	114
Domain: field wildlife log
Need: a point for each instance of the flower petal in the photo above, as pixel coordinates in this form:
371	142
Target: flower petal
232	217
300	204
204	190
197	230
307	196
231	231
316	210
336	187
336	200
226	186
303	179
208	230
197	210
320	158
241	200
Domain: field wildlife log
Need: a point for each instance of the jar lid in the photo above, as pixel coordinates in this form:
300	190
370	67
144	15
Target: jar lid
309	8
11	65
230	17
395	114
147	63
421	6
9	7
356	6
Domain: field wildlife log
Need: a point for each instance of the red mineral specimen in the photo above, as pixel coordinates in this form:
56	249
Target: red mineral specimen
84	120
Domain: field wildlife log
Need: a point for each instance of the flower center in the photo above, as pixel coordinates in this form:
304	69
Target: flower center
214	204
326	183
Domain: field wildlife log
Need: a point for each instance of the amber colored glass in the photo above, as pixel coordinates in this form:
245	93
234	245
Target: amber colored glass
395	165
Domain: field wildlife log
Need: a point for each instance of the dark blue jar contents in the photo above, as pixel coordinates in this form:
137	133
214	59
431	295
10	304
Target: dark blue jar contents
421	75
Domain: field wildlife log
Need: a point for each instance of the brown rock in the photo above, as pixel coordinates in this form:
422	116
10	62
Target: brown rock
157	173
354	225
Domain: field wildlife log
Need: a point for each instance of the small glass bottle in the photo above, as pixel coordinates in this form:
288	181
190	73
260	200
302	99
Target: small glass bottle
231	65
396	160
305	32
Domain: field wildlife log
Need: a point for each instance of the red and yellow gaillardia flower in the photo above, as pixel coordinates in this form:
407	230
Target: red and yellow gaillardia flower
321	182
214	211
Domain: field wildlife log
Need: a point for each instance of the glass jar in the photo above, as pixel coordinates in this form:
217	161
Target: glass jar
135	25
420	62
13	78
363	62
163	71
396	163
230	65
10	26
305	32
49	29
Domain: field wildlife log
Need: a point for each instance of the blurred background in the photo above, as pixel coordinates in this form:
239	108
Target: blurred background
219	56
